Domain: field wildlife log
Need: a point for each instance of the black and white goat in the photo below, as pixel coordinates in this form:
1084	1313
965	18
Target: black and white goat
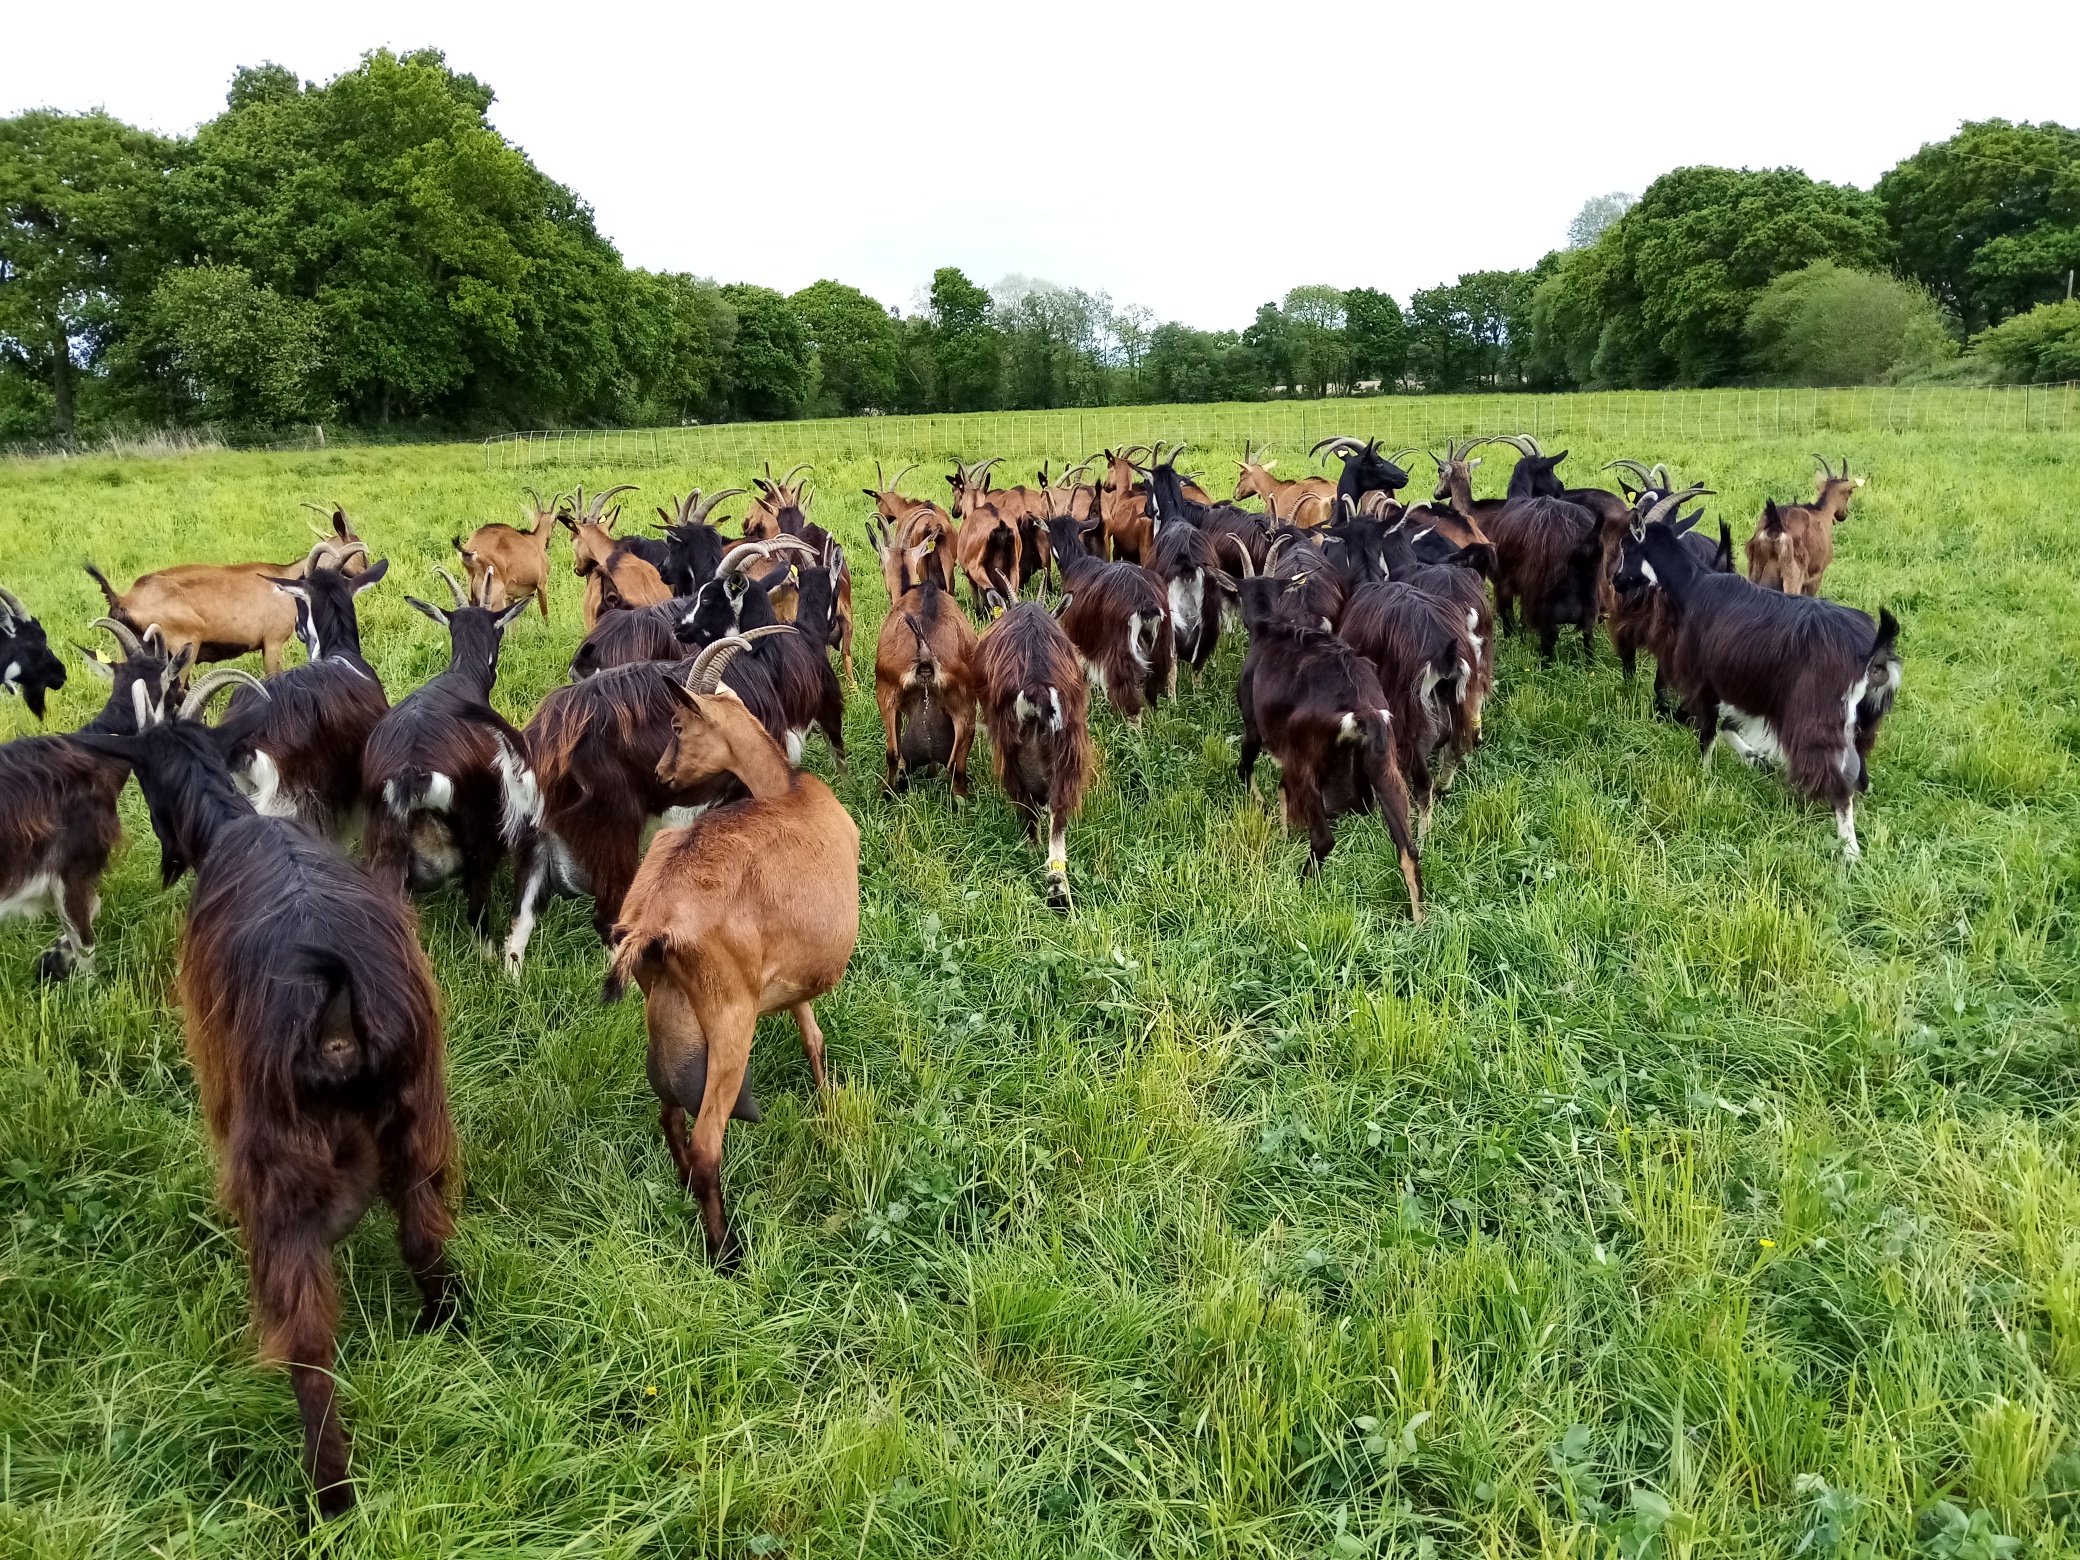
27	664
301	755
734	603
1779	677
445	781
58	819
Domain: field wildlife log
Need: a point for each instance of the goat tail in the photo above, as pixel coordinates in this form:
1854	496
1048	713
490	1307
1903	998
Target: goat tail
115	601
630	954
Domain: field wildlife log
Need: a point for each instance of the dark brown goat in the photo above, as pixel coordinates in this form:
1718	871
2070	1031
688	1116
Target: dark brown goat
1779	677
594	747
1035	708
1117	615
1423	651
1316	705
1549	555
314	1029
58	820
924	670
752	908
301	757
445	781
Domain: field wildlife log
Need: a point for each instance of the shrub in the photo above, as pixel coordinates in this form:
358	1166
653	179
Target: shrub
2040	347
1830	325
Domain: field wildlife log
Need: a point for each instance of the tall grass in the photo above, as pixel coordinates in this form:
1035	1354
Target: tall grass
1673	1188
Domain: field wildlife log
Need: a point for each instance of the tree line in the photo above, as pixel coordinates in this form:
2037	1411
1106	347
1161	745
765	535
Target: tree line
370	251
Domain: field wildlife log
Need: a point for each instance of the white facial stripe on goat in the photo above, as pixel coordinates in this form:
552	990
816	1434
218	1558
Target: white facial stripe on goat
140	704
520	797
439	794
1186	597
1850	702
32	896
1134	647
1023	708
1348	730
12	677
1647	569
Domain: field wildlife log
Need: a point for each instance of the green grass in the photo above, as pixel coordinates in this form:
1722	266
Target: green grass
1674	1188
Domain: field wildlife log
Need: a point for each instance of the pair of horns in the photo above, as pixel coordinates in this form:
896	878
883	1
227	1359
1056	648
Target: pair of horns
334	555
705	675
199	696
1522	443
1830	474
890	484
11	610
744	554
335	512
1342	444
1666	506
1653	478
589	512
479	595
694	509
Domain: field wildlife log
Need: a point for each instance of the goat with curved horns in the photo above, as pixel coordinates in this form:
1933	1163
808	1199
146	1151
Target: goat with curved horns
750	909
1794	543
519	559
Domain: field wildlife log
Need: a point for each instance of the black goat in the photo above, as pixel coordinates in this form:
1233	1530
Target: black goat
1423	650
301	755
445	780
27	665
733	603
58	819
630	635
1643	619
1779	676
1365	469
1117	615
1188	563
1317	706
693	546
314	1030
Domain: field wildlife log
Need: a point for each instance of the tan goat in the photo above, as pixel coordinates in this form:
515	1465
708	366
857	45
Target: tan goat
1794	543
1301	501
595	555
516	561
222	610
924	677
752	908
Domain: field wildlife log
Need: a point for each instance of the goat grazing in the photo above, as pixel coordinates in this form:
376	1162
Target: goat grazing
751	908
58	819
223	610
518	559
1035	708
1317	706
314	1029
300	756
1117	615
27	665
1794	543
445	781
1777	676
924	670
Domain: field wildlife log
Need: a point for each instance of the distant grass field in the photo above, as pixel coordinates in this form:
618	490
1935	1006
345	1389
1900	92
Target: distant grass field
1675	1190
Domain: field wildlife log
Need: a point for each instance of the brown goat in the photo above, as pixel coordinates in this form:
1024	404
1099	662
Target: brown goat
517	560
594	548
912	521
222	610
762	519
1036	709
924	678
752	908
1301	501
1117	615
1794	543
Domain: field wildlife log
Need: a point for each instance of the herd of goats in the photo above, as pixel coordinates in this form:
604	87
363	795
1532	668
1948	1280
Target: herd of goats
310	1007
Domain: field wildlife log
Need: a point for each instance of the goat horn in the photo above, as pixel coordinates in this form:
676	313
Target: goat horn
1825	470
599	499
706	674
701	510
1674	501
123	636
1249	567
1395	458
897	480
1637	468
12	604
199	696
788	480
461	597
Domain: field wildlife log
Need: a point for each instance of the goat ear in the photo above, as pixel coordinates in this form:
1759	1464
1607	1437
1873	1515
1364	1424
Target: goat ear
97	664
428	608
505	618
294	588
682	693
371	575
105	744
1268	464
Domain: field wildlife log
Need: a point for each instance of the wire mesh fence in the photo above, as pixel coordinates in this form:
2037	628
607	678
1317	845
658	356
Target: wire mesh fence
1697	415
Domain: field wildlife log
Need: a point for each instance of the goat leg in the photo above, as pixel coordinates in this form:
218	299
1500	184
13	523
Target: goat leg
298	1300
812	1043
423	1227
963	741
728	1026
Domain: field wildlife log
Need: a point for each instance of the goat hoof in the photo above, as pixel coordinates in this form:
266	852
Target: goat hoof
727	1257
443	1315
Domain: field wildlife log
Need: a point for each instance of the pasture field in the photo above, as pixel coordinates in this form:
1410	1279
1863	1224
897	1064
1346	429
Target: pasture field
1675	1190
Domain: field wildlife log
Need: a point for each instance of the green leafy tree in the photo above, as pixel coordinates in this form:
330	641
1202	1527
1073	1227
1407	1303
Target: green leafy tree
1184	364
1828	325
1315	323
1989	220
80	244
453	277
2042	346
673	335
1376	336
238	352
1473	334
768	368
967	347
1269	339
855	344
1662	297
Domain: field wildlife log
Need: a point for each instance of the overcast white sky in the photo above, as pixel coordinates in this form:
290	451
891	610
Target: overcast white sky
1393	146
